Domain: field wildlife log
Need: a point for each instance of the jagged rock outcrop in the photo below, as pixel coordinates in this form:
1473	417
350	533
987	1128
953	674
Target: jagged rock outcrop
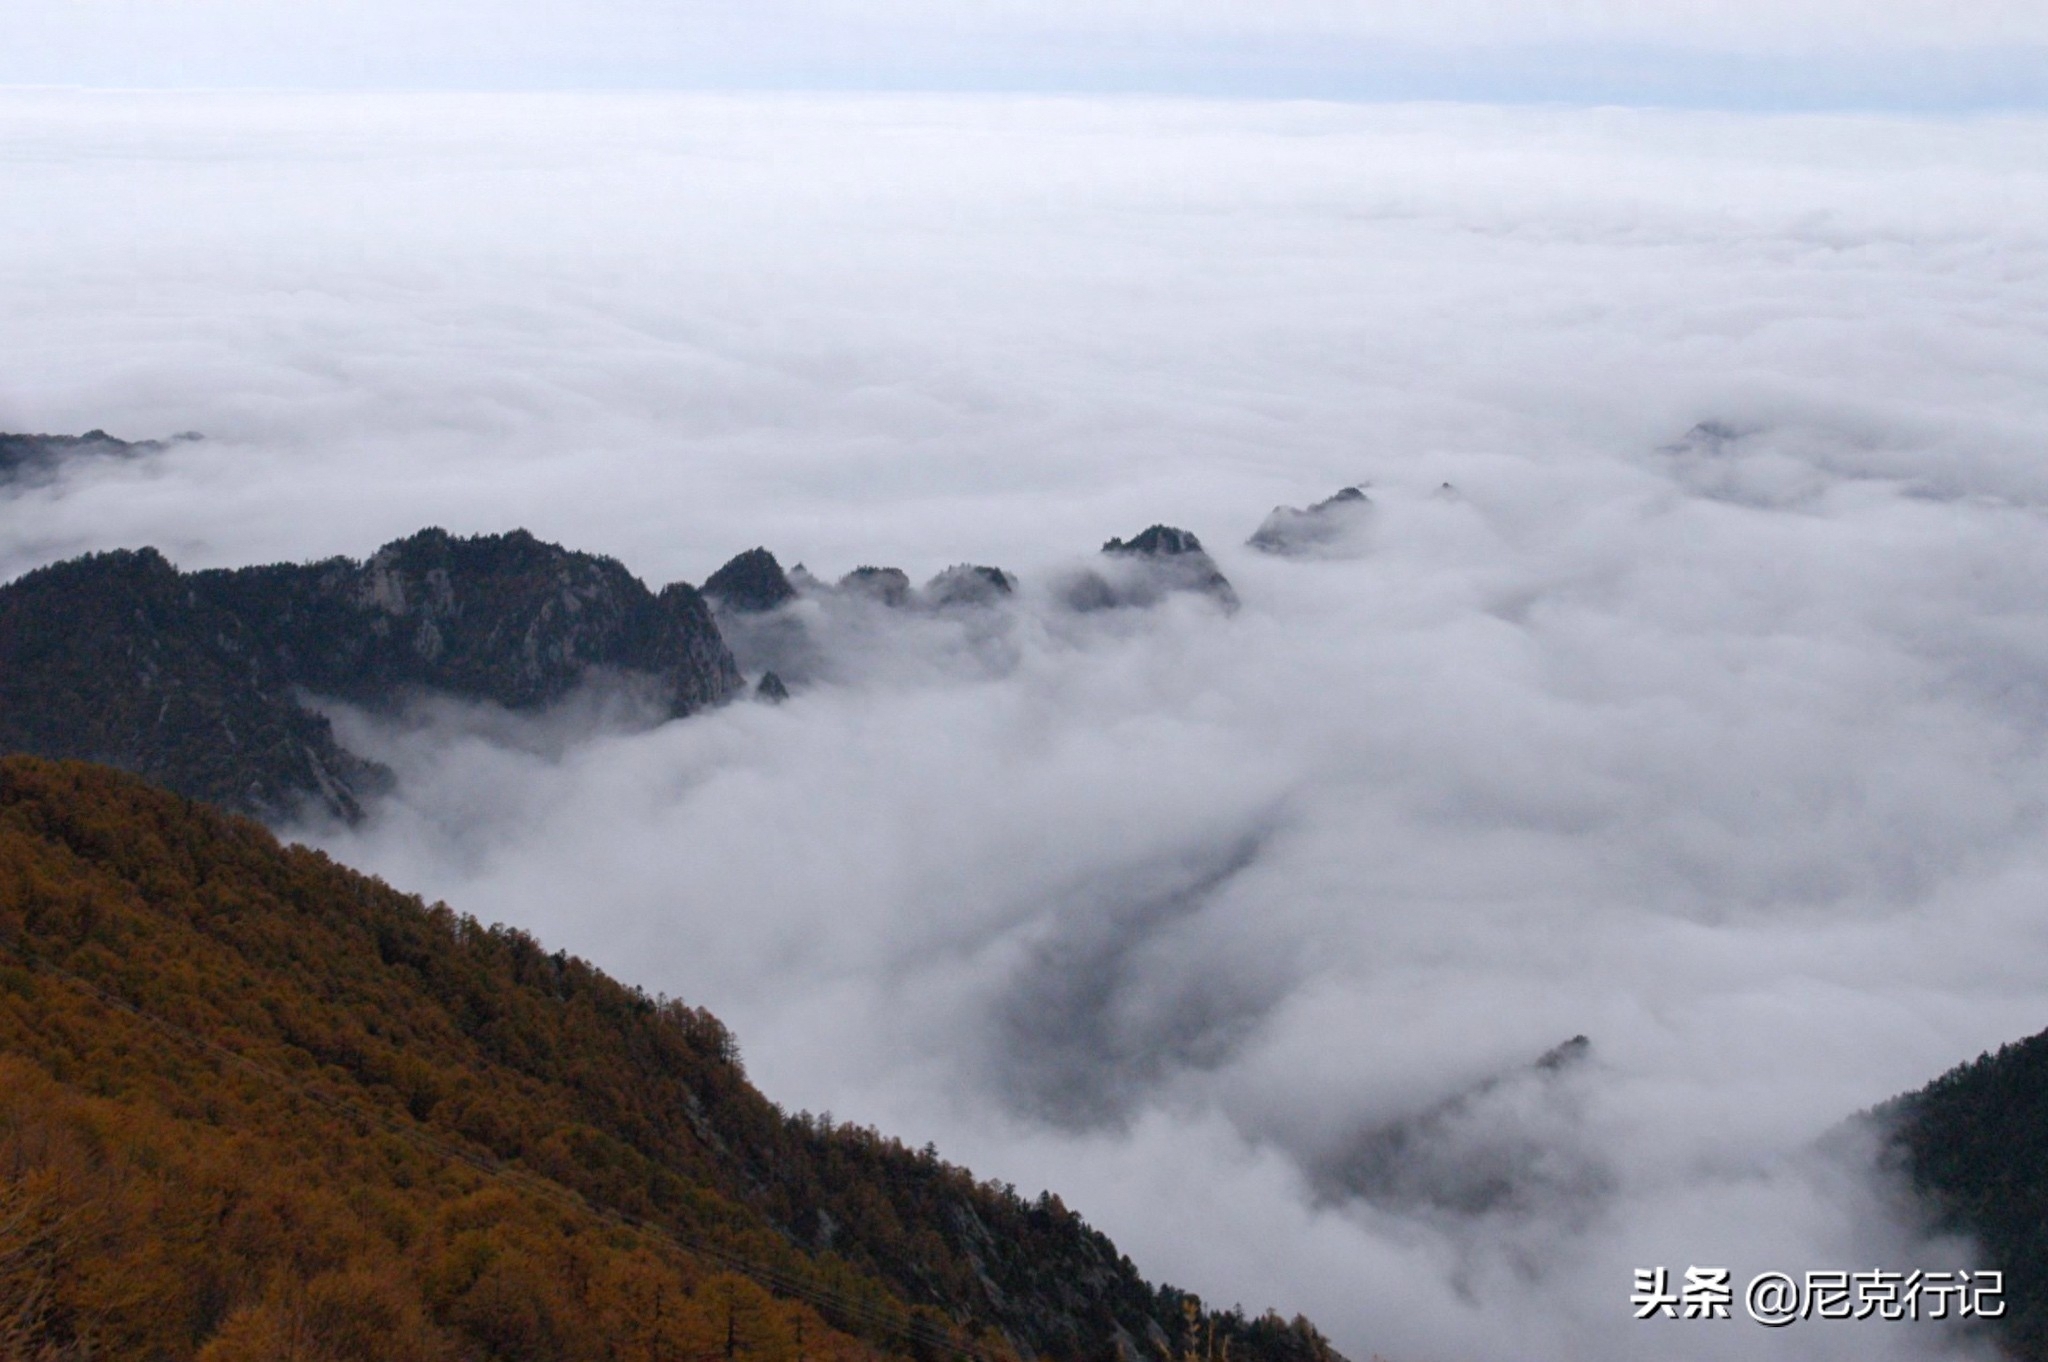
1144	569
35	459
770	689
1327	525
193	678
504	618
750	583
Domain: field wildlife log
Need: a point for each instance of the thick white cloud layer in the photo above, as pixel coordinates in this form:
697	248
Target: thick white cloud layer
1705	718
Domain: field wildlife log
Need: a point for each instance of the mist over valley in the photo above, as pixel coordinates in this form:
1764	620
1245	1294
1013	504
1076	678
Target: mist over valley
1413	707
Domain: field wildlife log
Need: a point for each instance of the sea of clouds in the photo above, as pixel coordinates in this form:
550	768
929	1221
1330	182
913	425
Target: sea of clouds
1703	715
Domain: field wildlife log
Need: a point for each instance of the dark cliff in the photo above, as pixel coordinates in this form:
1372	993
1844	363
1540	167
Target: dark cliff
194	679
116	658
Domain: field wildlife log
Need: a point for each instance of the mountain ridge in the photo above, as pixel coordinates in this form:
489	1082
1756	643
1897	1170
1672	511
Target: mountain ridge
197	679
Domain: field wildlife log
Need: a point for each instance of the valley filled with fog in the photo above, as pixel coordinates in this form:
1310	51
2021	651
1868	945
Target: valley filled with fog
1683	686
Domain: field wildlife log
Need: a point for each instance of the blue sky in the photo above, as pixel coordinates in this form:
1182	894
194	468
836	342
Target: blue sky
1734	54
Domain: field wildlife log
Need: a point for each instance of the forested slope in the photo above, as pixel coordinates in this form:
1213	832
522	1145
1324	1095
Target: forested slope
1974	1142
256	1105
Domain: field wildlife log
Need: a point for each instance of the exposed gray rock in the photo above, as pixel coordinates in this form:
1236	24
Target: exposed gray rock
504	618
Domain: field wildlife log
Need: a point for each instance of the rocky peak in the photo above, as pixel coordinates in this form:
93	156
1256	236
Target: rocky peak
1321	527
750	583
506	618
969	584
1158	541
1150	565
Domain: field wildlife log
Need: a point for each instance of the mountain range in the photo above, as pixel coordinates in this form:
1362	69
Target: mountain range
285	1102
209	682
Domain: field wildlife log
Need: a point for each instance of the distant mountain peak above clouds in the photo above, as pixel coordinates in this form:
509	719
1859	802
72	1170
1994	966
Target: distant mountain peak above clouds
1327	526
198	680
1146	568
1157	541
32	460
752	582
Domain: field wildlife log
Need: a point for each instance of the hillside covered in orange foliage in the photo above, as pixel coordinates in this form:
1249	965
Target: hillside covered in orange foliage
254	1105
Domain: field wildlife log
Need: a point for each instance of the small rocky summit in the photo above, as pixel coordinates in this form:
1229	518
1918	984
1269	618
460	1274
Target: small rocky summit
194	679
1327	525
968	584
751	583
748	597
1144	569
770	690
1161	541
887	585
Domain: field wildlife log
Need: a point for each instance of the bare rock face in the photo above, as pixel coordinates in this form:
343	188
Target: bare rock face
750	583
1144	569
221	655
1327	526
504	618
